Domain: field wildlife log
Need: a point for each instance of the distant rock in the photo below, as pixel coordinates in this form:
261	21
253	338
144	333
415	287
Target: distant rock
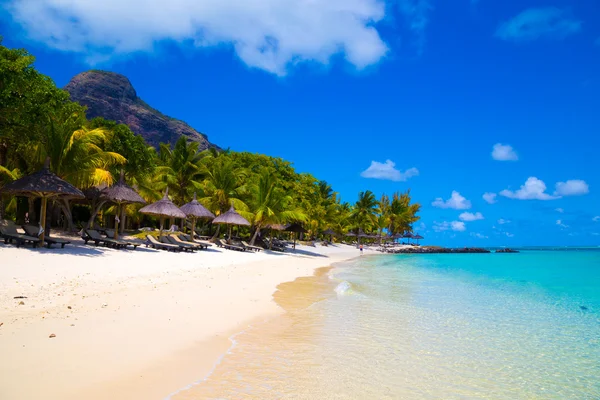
52	335
507	251
112	96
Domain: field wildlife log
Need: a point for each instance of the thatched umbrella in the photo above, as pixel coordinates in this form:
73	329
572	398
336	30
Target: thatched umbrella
418	237
121	193
296	228
195	210
329	232
163	208
408	236
230	218
46	185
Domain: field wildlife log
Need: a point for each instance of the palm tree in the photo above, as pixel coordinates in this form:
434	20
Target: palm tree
222	187
6	176
181	168
76	154
402	213
270	204
364	213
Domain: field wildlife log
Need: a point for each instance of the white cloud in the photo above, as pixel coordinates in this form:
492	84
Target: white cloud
457	226
508	234
467	216
503	221
533	189
490	197
504	152
561	224
456	202
575	187
596	218
388	171
559	210
272	35
478	235
535	23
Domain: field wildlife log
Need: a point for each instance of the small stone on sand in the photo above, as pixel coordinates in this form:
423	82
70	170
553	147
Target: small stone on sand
52	335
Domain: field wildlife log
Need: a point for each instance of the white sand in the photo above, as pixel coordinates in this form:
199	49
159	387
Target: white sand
131	324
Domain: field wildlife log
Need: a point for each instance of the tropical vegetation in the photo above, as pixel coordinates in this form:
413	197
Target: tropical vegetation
38	121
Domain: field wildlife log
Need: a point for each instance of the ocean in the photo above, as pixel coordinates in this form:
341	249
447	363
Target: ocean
447	326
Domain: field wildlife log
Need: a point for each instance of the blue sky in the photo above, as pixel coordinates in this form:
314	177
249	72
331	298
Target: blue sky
462	97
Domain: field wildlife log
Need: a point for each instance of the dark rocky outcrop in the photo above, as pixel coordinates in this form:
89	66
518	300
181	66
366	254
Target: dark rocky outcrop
507	251
436	250
111	96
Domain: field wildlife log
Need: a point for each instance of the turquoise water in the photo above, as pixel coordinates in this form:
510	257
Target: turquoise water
472	326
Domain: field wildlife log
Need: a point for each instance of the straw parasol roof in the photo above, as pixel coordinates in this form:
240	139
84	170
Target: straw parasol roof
196	210
408	235
122	193
231	217
46	185
277	227
350	234
43	184
163	208
329	232
295	227
418	237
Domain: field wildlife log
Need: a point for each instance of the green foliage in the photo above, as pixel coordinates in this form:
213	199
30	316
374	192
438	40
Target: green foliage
141	158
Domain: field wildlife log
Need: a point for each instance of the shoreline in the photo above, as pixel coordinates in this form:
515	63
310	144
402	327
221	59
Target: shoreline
133	324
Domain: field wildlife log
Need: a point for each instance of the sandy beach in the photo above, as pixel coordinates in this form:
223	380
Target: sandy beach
132	324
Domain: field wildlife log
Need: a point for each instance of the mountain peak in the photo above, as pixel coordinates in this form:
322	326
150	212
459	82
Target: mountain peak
112	96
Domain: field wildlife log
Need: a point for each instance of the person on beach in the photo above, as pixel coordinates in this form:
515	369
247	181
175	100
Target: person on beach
361	249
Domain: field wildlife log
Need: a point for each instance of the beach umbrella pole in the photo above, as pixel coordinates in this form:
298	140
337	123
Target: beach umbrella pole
162	221
193	226
43	220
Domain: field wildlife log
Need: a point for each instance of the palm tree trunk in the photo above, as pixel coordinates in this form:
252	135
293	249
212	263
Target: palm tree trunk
254	236
95	211
31	212
217	232
66	209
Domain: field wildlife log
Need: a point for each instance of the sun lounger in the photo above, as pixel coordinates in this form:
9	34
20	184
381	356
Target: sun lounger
94	236
183	246
204	243
228	246
111	235
8	230
250	247
181	239
31	230
152	242
274	246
